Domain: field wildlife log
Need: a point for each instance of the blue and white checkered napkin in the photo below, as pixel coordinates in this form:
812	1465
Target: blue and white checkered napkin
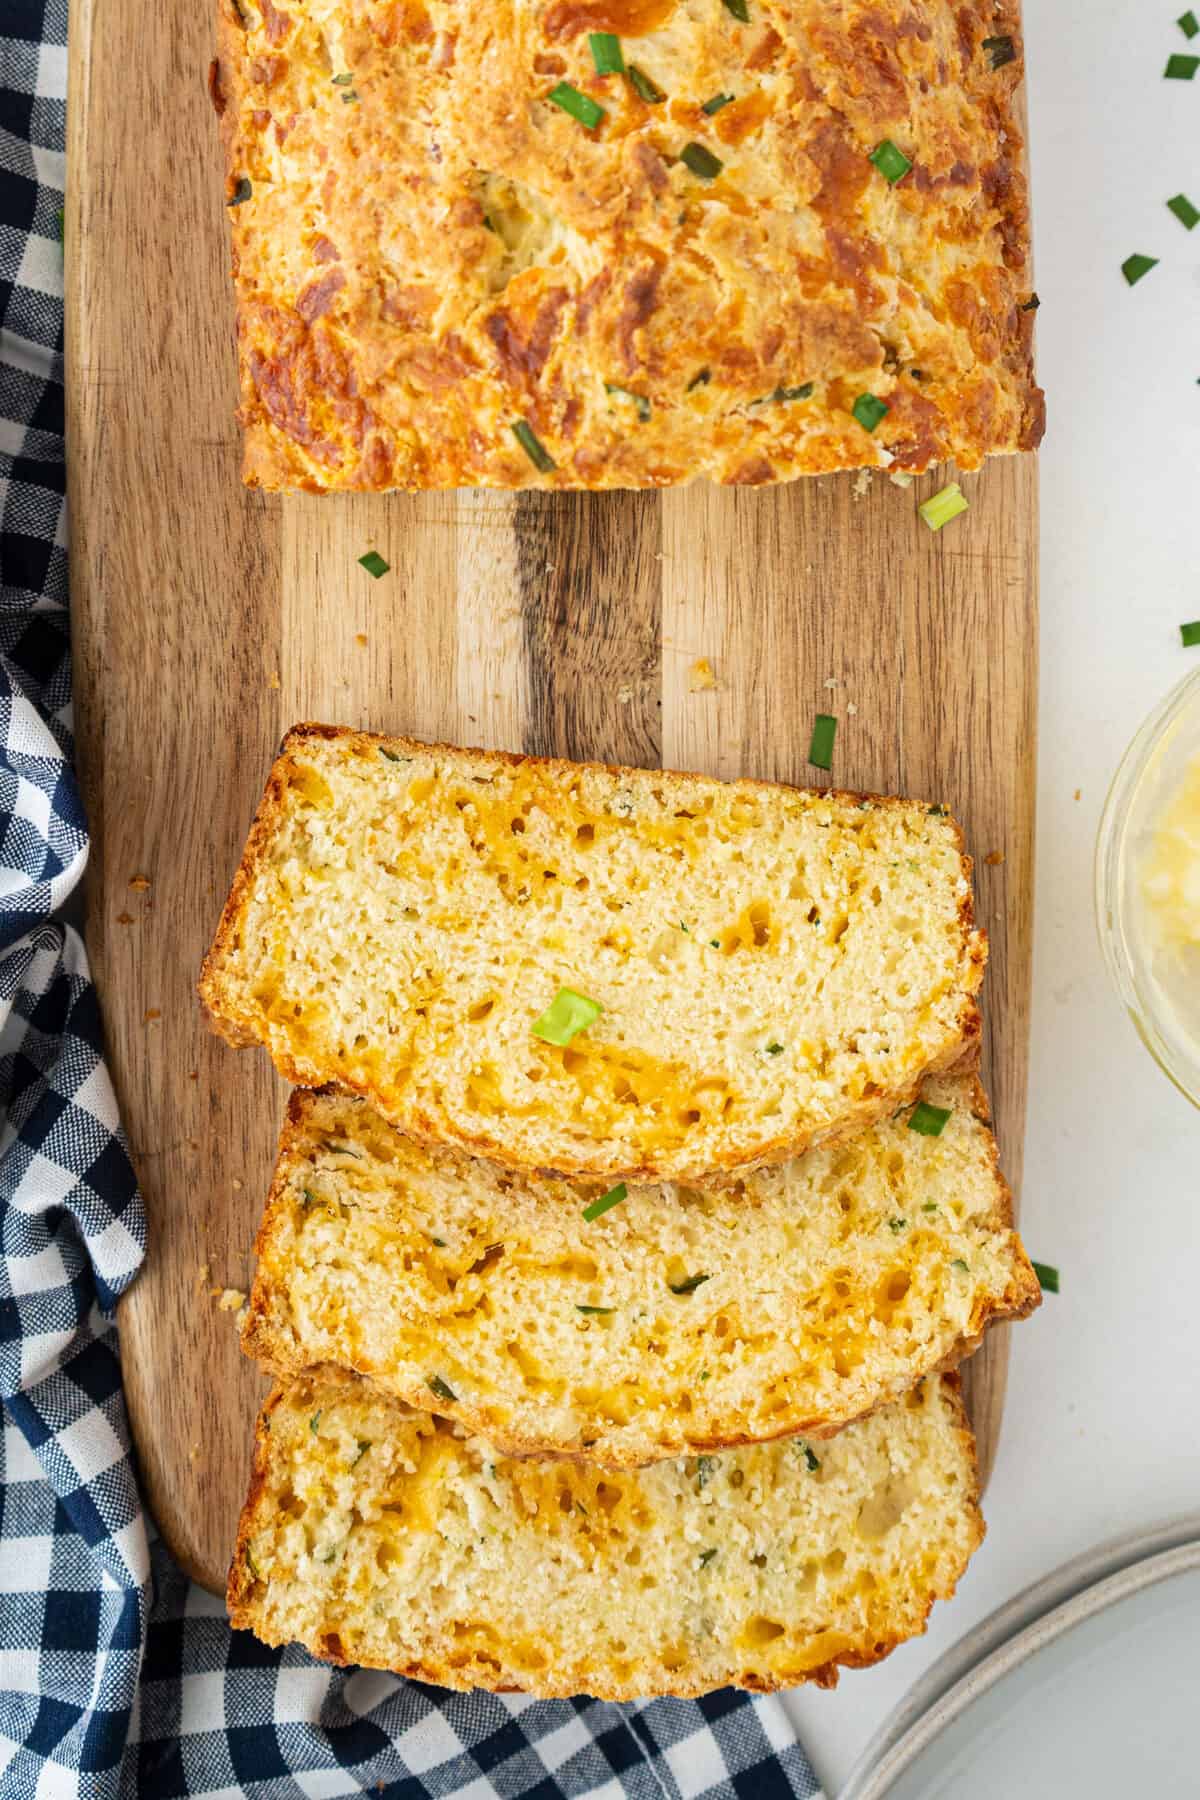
117	1675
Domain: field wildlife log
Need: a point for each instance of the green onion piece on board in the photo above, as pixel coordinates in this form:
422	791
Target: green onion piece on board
940	508
701	162
716	103
533	447
1190	634
374	564
930	1121
870	411
606	53
566	1016
1189	24
892	163
820	749
606	1202
1187	214
1047	1276
643	87
1181	68
580	106
1134	267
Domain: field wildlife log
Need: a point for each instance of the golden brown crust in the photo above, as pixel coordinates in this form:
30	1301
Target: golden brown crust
467	1674
231	1022
431	252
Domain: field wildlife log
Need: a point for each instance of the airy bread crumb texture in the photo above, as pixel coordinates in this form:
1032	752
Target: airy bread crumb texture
775	966
682	1319
377	1535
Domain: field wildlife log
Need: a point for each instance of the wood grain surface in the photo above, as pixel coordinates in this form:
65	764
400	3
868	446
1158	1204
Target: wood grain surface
208	620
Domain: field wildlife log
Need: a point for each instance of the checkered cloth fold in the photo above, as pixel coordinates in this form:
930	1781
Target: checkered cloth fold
117	1675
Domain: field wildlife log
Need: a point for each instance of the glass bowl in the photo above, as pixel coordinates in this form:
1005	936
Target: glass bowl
1164	1006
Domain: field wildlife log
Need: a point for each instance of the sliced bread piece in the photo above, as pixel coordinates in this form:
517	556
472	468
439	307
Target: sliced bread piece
760	967
374	1534
679	1319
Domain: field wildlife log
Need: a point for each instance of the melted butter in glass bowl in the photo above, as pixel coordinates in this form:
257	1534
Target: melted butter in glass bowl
1148	884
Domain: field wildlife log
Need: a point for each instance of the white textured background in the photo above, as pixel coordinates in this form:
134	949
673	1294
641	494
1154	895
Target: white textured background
1103	1425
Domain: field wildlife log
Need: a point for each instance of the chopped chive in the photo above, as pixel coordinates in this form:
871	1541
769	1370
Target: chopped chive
706	1556
314	1422
804	392
310	1199
374	564
930	1121
805	1450
690	1285
439	1243
533	447
958	1263
241	192
364	1444
774	1049
1190	634
606	1202
342	80
1189	24
930	1206
388	756
1185	212
716	103
1030	305
1134	267
940	508
351	94
1047	1276
1181	68
715	942
938	812
606	53
567	1014
870	411
61	221
640	402
820	748
705	1466
701	378
599	1312
738	9
643	87
891	162
580	106
440	1387
1000	50
701	162
896	1226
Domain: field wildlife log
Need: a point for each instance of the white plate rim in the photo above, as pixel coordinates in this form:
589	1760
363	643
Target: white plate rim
896	1746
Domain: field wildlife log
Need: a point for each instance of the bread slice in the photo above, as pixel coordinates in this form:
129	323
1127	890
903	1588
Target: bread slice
678	1321
377	1535
774	966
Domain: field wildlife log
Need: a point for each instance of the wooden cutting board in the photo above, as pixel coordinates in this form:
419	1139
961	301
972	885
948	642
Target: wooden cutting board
207	620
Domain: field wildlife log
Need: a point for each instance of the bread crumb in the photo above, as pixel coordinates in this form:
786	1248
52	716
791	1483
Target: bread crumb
994	858
901	477
1079	793
851	709
193	1074
360	637
193	1453
701	678
124	918
624	694
238	1184
229	1299
151	1014
273	679
862	484
203	1274
831	681
139	883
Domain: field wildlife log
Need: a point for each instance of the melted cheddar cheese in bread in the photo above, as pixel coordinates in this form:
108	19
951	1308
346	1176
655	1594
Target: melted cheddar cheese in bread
773	238
380	1536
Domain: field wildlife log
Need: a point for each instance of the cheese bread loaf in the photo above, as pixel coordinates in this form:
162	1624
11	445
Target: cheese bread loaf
374	1534
601	971
677	1320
